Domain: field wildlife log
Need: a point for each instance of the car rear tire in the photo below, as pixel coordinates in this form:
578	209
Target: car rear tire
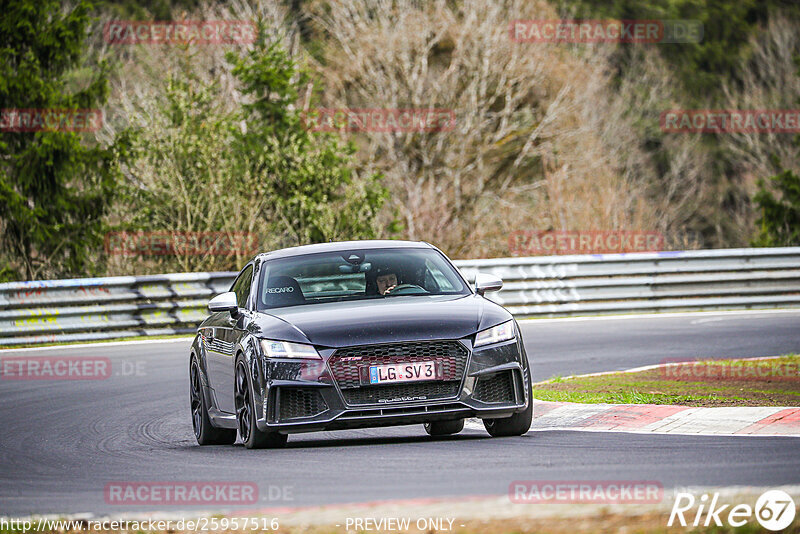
517	424
204	431
252	437
444	428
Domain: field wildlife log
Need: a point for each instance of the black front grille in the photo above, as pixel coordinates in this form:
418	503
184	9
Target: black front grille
495	388
346	363
402	392
299	402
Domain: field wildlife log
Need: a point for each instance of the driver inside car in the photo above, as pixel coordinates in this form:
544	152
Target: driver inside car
386	281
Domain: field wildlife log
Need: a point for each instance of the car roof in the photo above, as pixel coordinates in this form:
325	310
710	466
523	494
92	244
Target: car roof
342	246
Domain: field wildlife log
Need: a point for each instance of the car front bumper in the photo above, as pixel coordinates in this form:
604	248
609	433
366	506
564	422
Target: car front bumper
296	397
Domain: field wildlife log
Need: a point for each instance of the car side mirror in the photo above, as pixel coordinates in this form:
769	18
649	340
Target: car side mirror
487	282
224	302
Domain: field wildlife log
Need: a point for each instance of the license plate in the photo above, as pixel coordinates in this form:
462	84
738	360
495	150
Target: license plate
404	372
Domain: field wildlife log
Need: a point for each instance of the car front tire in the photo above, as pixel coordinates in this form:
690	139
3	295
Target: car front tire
444	428
517	424
204	431
252	437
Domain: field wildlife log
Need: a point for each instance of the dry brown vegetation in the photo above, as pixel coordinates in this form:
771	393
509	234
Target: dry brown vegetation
537	143
545	138
770	81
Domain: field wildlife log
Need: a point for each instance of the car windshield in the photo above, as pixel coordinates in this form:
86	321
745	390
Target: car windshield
357	275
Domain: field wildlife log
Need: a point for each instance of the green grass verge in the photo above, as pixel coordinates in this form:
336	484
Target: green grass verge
766	382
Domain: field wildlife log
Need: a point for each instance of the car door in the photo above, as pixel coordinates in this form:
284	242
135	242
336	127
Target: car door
221	357
239	325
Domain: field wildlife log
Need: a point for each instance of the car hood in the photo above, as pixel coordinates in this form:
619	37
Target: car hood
401	318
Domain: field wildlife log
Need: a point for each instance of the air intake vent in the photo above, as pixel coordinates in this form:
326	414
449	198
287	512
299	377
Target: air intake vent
295	403
497	388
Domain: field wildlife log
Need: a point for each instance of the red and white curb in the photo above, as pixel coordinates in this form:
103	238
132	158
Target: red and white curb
667	419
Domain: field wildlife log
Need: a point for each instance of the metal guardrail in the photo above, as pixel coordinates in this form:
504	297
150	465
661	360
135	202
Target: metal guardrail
131	306
87	309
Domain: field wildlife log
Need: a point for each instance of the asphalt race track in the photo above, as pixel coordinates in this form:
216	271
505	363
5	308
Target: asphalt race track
63	441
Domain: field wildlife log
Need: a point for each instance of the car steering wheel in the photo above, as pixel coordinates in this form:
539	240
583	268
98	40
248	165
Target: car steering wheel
406	289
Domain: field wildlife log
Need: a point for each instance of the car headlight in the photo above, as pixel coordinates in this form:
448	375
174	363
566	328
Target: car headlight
496	334
285	349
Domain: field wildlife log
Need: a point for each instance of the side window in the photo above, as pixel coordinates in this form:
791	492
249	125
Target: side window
242	286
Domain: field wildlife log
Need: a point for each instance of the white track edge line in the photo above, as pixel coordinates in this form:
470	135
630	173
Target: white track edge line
657	315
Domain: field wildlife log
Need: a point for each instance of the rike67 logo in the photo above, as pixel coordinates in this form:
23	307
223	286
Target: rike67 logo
774	510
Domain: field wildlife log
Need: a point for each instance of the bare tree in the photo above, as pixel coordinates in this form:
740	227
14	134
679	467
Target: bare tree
536	144
770	80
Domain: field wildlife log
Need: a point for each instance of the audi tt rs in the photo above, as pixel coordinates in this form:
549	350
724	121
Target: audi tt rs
352	335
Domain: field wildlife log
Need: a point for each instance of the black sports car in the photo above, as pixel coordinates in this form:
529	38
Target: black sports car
356	334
